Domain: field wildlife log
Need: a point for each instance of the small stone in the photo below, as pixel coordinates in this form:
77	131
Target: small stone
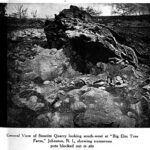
57	104
85	88
131	115
61	94
137	107
100	83
125	76
122	63
31	85
112	83
46	82
118	78
108	81
72	82
66	100
62	86
121	81
33	99
98	64
147	87
38	89
102	88
78	106
50	98
53	51
49	115
122	85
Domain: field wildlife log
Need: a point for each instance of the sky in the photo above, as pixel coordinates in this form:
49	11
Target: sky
49	9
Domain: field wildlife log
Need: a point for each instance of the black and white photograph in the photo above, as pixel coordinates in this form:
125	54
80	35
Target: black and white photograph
78	65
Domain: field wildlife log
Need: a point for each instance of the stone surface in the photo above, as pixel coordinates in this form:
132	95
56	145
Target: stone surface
103	113
78	107
46	82
46	65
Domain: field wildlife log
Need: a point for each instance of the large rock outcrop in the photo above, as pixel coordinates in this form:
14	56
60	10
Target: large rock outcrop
47	65
85	40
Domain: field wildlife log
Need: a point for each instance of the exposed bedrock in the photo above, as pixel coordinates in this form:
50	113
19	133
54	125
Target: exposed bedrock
84	40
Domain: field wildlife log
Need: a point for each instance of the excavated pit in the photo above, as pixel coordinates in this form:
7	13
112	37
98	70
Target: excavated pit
91	52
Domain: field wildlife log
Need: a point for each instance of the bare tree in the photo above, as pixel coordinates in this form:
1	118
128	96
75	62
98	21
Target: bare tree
91	11
20	11
129	9
123	9
81	8
48	17
34	14
148	8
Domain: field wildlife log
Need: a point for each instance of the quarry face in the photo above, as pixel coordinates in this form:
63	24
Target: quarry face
77	71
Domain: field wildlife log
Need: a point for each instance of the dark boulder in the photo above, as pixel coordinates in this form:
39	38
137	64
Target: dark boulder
84	40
